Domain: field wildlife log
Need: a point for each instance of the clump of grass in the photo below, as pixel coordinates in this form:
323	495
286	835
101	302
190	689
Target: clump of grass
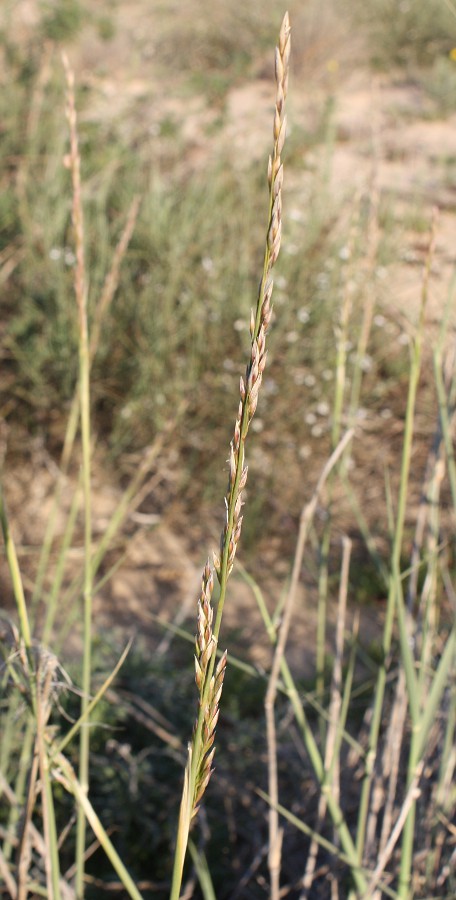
409	33
63	20
183	264
439	83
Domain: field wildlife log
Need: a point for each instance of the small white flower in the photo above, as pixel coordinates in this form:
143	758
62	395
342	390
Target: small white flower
344	253
239	325
310	418
257	425
303	315
55	254
323	408
270	387
386	413
292	337
291	249
207	264
310	380
69	257
379	320
316	431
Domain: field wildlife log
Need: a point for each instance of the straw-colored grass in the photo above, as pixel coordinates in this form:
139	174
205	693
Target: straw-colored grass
210	683
359	765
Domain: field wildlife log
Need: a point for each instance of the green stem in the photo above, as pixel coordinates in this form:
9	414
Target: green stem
52	864
323	576
52	600
445	424
13	565
84	746
80	288
20	785
395	578
392	592
194	759
314	753
71	784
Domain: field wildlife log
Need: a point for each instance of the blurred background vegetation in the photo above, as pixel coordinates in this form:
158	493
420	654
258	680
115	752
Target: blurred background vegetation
177	327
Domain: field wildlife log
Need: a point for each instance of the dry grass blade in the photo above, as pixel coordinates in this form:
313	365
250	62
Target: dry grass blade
390	767
331	761
7	877
73	162
112	278
64	773
412	794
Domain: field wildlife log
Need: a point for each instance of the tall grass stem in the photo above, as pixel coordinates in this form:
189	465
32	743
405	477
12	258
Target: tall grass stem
209	682
80	284
395	577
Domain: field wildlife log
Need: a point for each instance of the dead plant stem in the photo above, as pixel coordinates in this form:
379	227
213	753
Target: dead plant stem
271	694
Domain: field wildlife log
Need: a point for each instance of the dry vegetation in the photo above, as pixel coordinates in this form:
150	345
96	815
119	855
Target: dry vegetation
339	705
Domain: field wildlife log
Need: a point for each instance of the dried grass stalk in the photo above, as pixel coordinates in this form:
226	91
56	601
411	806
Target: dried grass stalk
209	678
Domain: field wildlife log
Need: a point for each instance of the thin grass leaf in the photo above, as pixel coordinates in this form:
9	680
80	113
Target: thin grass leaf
85	716
325	844
66	775
16	579
202	871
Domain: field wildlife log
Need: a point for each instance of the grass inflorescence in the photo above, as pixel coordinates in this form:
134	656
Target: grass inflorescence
335	711
209	685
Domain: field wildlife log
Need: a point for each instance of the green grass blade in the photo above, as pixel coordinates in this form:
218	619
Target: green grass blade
202	871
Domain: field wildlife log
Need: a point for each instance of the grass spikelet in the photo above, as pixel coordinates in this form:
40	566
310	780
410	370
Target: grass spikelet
210	683
211	714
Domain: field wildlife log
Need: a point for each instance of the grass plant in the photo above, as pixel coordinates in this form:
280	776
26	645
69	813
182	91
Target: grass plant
346	789
209	679
407	34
